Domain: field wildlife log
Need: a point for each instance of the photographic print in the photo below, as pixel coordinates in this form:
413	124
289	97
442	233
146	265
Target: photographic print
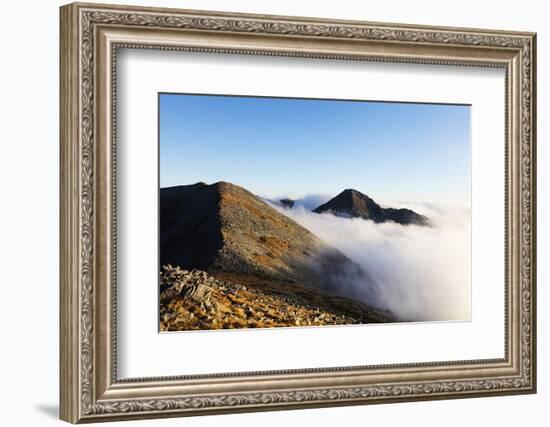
286	212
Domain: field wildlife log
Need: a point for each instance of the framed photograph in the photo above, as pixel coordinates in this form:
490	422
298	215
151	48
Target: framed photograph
266	212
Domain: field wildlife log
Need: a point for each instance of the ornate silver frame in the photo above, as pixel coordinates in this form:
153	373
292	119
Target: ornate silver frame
90	36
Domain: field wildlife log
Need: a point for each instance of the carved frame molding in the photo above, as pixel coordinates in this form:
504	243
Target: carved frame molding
90	36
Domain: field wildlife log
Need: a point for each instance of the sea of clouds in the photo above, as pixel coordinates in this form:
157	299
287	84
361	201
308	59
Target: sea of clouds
420	273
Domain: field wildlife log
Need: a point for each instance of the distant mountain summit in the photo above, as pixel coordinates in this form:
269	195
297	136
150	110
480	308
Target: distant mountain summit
287	203
354	204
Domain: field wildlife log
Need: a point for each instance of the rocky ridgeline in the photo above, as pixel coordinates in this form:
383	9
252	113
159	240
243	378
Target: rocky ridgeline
225	228
194	299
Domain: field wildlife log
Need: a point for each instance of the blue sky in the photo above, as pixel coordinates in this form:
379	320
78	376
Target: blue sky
284	146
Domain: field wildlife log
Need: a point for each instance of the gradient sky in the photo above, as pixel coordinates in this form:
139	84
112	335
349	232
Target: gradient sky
284	146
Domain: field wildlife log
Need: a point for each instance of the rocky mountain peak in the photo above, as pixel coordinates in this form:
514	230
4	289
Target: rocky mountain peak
351	203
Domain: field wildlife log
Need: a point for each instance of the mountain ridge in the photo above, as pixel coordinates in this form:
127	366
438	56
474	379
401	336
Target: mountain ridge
225	228
230	260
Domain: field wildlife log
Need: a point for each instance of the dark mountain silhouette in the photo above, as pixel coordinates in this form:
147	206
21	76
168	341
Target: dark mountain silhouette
287	203
227	231
354	204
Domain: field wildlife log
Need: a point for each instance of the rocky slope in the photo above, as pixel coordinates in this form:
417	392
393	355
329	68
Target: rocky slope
223	228
354	204
192	300
234	236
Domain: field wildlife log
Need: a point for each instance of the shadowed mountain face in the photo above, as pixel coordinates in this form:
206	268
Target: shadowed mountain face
223	228
190	226
354	204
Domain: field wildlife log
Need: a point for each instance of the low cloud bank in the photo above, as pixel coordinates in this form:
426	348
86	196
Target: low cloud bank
420	273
